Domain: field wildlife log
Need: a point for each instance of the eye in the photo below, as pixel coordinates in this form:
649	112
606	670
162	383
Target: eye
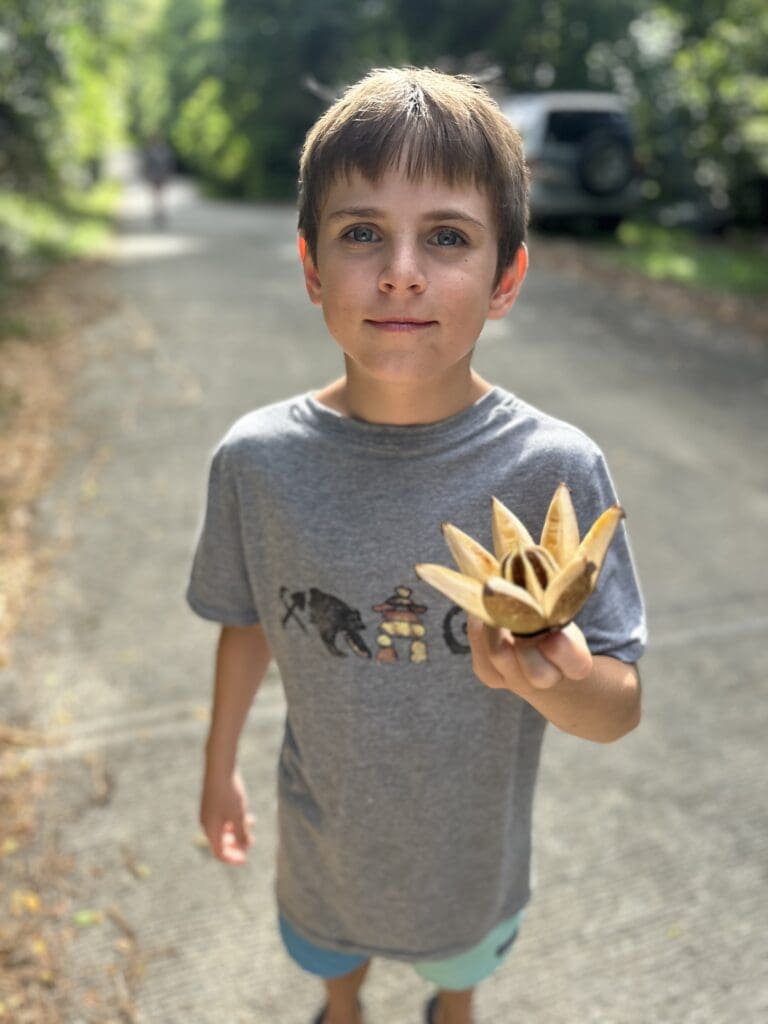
361	233
447	237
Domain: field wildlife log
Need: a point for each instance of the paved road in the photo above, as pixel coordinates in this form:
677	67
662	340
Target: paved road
652	852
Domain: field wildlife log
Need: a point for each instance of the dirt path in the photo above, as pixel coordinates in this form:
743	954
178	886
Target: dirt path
40	356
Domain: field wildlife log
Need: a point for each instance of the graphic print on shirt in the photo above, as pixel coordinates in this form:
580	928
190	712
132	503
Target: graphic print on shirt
330	615
401	625
455	622
293	603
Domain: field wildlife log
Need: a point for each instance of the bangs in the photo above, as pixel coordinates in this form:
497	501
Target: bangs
421	142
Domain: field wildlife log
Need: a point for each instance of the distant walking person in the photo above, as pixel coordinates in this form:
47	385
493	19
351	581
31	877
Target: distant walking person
157	167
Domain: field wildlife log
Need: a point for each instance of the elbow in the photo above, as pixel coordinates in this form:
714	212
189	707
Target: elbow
631	712
622	727
605	731
637	711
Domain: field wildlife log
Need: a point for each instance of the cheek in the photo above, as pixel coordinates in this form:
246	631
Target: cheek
466	300
339	308
343	283
472	281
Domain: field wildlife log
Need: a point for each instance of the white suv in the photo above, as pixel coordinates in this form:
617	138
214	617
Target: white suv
580	151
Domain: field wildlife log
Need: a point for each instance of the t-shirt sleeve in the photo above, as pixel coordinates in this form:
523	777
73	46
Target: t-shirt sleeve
219	587
613	619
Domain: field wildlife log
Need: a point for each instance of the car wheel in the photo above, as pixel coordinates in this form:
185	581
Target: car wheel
605	163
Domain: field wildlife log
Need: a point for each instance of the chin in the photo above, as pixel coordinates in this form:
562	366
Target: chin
398	377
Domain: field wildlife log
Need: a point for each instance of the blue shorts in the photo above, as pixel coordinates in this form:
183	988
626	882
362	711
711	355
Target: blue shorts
455	973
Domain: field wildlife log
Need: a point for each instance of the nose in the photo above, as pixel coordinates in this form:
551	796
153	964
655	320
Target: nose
403	270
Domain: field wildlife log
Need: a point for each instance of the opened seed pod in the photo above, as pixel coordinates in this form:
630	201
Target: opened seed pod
526	587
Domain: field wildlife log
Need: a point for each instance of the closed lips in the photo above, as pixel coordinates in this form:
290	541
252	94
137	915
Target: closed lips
401	325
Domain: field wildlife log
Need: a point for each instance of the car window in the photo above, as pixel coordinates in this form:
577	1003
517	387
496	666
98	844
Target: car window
575	125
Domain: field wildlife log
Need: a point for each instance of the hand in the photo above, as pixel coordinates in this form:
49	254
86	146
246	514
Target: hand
503	661
224	817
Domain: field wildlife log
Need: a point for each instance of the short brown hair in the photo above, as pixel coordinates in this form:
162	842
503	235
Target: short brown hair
426	122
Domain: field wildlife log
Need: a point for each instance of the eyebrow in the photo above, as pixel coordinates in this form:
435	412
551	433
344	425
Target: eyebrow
371	212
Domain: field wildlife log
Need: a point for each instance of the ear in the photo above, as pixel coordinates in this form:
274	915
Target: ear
311	276
506	290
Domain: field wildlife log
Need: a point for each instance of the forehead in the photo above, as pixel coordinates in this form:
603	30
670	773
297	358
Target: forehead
395	193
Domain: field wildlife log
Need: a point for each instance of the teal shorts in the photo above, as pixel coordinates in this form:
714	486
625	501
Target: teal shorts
454	973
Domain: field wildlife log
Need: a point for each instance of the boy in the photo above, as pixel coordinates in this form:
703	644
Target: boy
411	744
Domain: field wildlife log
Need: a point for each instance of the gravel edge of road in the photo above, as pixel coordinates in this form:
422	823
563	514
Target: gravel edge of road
582	262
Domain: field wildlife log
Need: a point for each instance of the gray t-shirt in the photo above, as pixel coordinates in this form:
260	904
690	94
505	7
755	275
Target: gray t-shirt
405	785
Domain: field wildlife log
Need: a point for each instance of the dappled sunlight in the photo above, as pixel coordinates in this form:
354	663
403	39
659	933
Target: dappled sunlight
674	265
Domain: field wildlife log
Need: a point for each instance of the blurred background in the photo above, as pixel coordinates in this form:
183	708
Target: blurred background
150	293
232	85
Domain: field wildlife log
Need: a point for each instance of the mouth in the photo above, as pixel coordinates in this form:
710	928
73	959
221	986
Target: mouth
401	324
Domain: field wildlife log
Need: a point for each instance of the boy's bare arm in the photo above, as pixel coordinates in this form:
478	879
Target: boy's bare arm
242	659
594	697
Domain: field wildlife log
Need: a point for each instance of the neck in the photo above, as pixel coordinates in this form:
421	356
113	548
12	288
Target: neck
397	404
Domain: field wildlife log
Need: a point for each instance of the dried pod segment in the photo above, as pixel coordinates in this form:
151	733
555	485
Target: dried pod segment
526	587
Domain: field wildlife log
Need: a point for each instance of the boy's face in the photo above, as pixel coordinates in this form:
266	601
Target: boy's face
405	276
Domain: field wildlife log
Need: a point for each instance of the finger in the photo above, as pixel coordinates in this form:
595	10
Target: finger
568	650
233	855
538	670
494	638
502	651
232	850
480	640
475	631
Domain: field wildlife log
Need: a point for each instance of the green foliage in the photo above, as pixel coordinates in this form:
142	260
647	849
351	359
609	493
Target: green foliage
535	45
739	267
266	55
269	54
695	74
234	84
208	140
89	101
30	68
61	92
146	65
34	230
63	79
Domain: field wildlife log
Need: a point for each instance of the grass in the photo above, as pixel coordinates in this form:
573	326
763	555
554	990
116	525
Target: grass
36	230
736	265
